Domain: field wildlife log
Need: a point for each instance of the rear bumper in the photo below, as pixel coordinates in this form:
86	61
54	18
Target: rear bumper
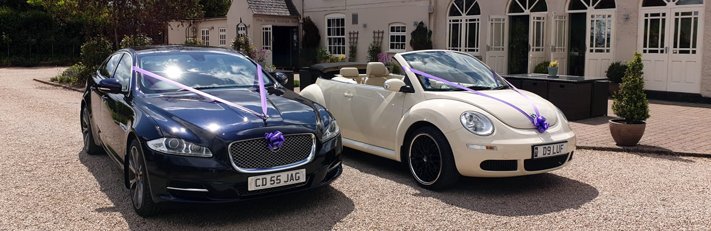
214	180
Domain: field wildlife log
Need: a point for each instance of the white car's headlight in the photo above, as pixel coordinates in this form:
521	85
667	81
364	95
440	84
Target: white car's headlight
180	147
477	123
331	131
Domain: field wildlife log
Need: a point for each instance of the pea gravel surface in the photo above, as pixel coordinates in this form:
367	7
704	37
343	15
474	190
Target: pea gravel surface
49	184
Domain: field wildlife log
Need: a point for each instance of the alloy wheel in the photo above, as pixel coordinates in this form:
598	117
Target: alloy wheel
136	182
425	159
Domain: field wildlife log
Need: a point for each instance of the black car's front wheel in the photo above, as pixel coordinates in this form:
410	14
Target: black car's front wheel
138	183
430	160
87	134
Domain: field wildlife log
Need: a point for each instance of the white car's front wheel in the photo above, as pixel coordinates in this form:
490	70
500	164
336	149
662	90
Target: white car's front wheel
430	159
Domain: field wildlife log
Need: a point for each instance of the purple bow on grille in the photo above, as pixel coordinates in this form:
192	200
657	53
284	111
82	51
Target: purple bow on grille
275	140
540	123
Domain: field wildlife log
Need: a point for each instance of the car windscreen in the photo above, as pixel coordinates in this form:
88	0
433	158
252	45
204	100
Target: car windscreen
199	70
454	67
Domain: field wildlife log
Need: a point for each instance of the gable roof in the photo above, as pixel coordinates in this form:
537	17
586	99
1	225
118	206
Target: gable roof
273	7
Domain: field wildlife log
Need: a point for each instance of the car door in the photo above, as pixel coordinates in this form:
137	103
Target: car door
338	97
118	112
377	112
97	98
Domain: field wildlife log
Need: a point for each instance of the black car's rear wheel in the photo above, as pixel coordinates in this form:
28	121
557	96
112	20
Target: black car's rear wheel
430	159
138	183
87	134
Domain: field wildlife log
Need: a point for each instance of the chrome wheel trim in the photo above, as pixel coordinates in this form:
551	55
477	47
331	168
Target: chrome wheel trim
137	184
410	159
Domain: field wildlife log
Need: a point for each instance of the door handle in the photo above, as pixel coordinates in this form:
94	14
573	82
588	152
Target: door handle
348	95
666	50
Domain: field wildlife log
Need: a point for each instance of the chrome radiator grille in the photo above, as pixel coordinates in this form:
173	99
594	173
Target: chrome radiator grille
253	155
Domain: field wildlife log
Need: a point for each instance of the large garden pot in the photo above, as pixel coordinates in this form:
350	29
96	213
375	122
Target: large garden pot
553	71
626	134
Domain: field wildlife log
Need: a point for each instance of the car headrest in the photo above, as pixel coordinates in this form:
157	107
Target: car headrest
376	69
349	72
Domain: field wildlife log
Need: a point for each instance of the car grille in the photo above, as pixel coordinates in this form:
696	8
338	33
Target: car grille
545	163
254	156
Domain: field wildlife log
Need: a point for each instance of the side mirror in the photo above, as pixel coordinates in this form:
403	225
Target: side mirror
110	85
394	85
281	77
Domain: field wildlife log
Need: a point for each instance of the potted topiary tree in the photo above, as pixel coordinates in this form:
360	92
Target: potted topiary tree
630	104
614	73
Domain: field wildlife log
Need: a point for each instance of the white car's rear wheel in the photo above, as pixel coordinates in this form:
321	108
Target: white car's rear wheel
430	159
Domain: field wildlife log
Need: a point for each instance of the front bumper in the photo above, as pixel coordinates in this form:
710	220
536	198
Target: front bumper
510	151
214	180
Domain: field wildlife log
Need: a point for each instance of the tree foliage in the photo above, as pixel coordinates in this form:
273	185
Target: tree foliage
215	8
631	102
421	37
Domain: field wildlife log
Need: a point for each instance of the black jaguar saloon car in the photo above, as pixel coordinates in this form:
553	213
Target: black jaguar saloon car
190	124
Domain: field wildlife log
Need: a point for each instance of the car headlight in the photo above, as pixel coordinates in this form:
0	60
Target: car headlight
179	147
477	123
332	130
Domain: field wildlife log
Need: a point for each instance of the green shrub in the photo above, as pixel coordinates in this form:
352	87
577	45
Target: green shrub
542	68
297	83
139	40
616	71
72	75
421	37
311	41
373	51
95	51
192	42
242	44
631	102
323	56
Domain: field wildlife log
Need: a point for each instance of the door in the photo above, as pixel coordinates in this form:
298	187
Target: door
559	43
117	113
599	34
537	36
338	97
496	48
685	57
654	47
576	44
98	99
378	113
670	44
518	45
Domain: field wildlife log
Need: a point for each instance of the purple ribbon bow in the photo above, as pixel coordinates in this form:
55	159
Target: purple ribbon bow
537	119
275	140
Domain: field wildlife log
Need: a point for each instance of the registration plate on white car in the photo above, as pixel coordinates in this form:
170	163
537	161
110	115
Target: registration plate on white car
546	150
276	179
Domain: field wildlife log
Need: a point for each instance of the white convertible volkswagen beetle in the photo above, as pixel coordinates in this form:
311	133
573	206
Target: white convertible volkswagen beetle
445	114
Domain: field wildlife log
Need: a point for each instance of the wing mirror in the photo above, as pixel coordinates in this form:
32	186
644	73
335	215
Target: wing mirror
281	77
395	85
110	85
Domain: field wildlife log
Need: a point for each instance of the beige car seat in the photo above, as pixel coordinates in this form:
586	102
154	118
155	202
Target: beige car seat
351	73
377	74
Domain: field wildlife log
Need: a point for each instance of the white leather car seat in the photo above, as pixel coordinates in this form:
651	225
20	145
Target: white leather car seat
377	74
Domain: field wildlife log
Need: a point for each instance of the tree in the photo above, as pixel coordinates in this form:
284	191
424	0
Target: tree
630	102
421	37
215	8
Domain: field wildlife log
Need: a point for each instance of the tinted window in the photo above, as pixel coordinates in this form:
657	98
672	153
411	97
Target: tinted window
123	72
199	69
107	70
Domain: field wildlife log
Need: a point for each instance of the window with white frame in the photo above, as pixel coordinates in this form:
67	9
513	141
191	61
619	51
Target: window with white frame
560	43
600	33
463	26
223	36
336	34
497	27
267	37
398	36
241	29
205	36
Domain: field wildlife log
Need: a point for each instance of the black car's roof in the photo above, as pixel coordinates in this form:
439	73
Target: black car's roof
163	48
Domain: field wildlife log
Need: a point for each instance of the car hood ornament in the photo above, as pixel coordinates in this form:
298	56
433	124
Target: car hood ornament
275	140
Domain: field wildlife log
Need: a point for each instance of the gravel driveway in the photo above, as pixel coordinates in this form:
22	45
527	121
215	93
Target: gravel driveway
47	184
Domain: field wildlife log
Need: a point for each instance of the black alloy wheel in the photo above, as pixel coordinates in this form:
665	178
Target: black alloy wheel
138	183
87	134
430	159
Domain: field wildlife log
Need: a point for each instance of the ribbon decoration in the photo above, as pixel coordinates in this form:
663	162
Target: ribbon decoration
537	119
262	91
275	140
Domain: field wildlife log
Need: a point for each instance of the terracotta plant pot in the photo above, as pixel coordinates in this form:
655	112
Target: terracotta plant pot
626	134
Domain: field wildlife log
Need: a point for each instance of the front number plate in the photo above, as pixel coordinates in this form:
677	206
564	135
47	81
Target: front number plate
276	180
546	150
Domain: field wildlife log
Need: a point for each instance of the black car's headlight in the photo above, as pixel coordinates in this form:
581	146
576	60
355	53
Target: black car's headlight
477	123
332	130
179	147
